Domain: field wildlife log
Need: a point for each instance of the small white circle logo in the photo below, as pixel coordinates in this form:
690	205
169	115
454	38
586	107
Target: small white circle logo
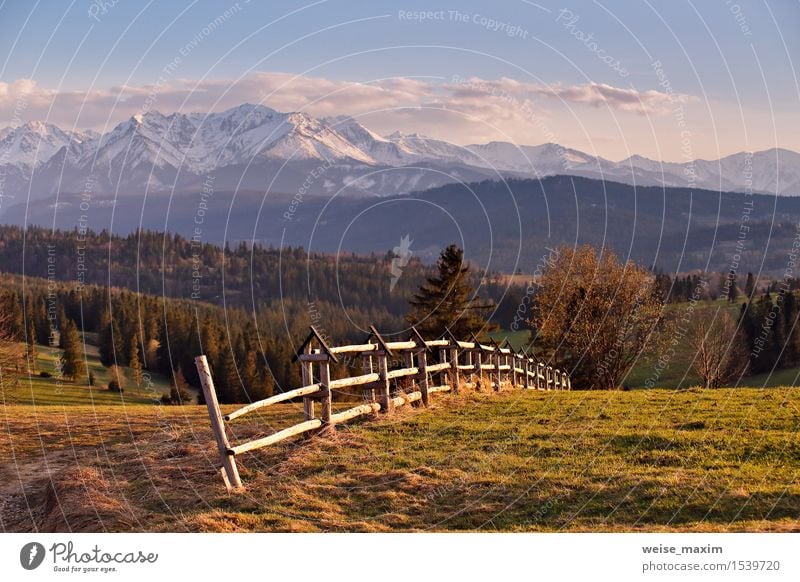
31	555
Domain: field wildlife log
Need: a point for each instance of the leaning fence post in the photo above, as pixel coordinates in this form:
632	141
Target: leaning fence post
230	473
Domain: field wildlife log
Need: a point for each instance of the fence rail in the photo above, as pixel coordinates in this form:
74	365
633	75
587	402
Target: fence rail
447	359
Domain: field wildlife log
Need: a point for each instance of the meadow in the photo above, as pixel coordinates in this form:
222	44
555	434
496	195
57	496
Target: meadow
641	460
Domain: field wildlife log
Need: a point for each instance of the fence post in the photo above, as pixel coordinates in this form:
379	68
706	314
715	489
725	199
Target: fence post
384	397
307	372
526	368
497	368
513	358
539	375
408	358
368	391
476	361
325	391
569	382
230	473
422	362
454	366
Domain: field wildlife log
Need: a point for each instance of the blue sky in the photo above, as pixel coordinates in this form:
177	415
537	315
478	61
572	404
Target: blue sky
731	66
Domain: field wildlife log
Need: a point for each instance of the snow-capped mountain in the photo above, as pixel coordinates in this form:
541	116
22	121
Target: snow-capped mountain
35	142
255	147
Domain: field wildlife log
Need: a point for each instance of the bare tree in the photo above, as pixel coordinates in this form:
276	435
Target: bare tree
594	315
719	355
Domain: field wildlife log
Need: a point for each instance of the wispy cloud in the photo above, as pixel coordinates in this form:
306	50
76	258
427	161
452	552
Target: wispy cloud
444	102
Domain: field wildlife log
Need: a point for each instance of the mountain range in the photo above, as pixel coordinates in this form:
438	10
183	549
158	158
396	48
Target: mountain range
252	147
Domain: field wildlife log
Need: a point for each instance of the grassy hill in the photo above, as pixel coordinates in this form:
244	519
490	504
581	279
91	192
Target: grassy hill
24	388
697	460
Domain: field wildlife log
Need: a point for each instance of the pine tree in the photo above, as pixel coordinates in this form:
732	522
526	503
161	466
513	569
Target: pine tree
134	362
116	381
749	286
733	289
448	300
71	357
110	343
179	393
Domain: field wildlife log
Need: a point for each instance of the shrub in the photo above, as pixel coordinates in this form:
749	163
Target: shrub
114	386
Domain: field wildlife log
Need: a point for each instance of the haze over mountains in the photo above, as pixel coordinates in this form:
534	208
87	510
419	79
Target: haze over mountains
252	147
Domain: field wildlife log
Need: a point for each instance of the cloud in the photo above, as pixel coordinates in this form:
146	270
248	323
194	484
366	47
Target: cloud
97	108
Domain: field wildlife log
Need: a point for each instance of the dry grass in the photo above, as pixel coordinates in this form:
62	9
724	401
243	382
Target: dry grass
724	460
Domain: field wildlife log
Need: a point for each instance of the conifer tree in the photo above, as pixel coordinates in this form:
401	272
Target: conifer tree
134	362
448	300
71	357
179	393
749	286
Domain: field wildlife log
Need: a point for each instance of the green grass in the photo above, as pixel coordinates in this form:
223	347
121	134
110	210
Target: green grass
24	388
649	460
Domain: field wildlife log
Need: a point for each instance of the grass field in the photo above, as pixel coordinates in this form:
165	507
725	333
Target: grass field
696	460
32	388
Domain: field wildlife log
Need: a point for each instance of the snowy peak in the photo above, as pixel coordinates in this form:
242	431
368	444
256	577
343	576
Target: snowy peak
154	149
35	142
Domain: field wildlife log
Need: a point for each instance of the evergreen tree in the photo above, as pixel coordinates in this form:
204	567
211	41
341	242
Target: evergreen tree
110	343
116	381
733	289
749	286
134	362
179	393
71	357
448	300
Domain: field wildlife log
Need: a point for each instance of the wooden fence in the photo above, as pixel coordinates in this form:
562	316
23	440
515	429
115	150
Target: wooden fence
430	366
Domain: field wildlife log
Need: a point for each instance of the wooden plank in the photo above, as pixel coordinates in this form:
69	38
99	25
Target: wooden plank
354	348
353	381
402	373
407	345
297	392
355	412
315	357
434	389
275	438
438	367
233	480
